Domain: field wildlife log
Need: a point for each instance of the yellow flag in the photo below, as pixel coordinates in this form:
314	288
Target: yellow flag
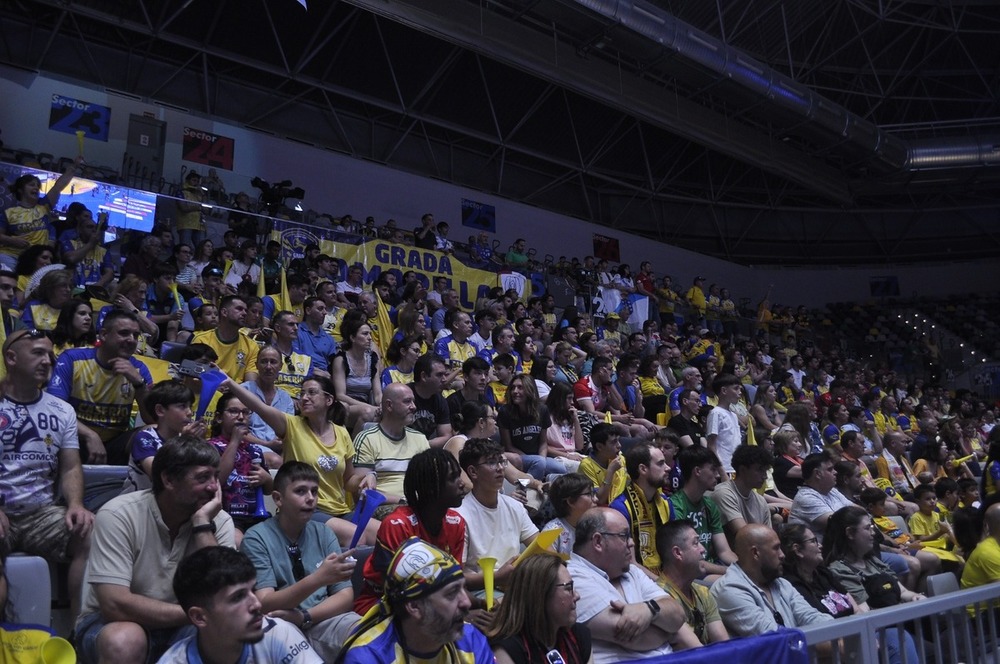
385	326
283	301
261	287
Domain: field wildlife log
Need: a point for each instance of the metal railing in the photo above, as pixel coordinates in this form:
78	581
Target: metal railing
942	628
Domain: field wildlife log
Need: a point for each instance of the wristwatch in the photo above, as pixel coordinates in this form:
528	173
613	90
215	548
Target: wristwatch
307	620
654	608
204	528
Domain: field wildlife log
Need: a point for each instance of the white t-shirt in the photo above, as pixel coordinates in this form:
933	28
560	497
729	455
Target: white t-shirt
495	532
724	424
32	435
597	593
283	643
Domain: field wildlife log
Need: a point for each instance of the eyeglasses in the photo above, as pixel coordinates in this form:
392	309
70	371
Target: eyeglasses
298	569
28	334
777	618
811	540
498	463
236	412
626	536
568	586
588	494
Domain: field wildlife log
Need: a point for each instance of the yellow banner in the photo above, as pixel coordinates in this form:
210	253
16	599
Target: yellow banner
377	256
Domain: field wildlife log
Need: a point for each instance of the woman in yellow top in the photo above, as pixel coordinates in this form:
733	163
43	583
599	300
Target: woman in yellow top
318	438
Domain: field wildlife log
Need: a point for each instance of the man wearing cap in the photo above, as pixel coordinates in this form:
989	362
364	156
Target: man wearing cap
40	446
609	331
696	299
190	226
421	614
213	290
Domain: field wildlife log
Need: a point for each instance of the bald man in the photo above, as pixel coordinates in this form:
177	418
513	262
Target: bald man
983	566
752	596
382	453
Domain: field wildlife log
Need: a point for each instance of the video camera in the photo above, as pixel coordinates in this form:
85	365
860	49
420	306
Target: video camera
274	195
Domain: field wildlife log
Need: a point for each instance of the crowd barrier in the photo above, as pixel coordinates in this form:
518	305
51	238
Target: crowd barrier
944	631
786	646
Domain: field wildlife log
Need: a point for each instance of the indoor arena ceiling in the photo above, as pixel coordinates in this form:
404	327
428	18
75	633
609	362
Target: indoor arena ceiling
758	131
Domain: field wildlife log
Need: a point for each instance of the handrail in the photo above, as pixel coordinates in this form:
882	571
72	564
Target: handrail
944	607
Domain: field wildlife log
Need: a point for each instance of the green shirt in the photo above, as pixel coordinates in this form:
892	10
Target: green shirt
706	518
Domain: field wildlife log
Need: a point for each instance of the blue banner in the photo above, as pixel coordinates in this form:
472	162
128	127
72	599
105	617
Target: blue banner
72	115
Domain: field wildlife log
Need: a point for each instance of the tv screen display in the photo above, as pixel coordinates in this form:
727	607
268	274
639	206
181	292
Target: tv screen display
127	208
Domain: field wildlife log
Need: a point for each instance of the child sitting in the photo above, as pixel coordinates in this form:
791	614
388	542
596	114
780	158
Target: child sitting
928	527
503	370
968	493
242	469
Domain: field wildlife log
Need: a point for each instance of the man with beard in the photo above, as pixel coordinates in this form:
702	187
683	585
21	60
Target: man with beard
629	616
130	613
302	575
237	352
642	504
433	487
422	614
752	596
102	383
214	586
383	453
40	447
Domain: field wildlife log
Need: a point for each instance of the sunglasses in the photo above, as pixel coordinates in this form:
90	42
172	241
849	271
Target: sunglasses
298	569
28	334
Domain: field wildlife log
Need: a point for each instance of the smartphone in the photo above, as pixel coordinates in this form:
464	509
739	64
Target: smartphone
192	368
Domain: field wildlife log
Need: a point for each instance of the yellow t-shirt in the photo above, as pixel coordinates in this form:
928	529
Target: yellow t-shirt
31	224
237	359
596	473
301	444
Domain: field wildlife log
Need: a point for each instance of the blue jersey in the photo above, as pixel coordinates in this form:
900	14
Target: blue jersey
379	645
454	353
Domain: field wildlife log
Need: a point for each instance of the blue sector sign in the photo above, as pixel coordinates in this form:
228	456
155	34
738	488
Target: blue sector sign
72	115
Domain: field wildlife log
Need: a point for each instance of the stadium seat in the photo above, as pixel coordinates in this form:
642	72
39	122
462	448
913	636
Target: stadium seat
940	584
30	589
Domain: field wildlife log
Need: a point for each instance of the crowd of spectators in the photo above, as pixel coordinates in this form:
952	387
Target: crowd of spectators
679	449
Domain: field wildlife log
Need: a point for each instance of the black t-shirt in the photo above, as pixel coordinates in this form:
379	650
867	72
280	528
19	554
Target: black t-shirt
573	645
430	413
788	486
685	427
429	241
526	436
456	400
